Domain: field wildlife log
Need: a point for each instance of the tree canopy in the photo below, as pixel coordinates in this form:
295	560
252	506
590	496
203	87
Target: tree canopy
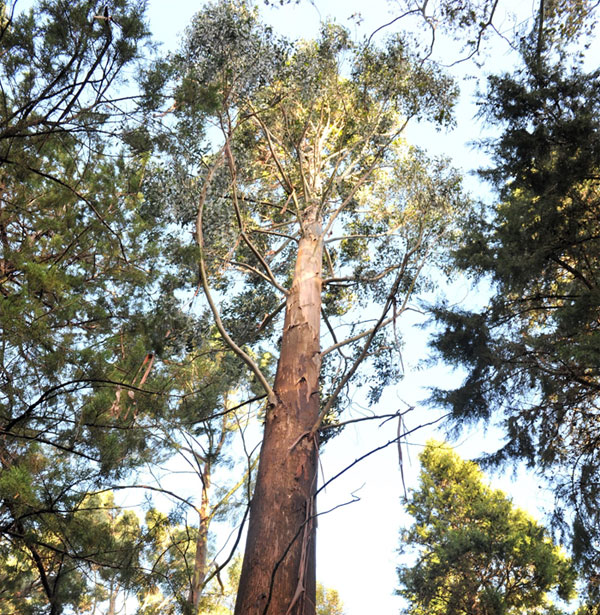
70	285
96	346
474	552
531	353
306	203
229	235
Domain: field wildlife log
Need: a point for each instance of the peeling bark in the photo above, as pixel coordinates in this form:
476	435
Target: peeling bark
279	560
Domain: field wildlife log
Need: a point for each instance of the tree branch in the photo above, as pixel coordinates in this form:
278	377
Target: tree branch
205	286
241	225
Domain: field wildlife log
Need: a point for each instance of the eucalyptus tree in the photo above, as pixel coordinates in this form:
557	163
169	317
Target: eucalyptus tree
474	552
184	560
307	206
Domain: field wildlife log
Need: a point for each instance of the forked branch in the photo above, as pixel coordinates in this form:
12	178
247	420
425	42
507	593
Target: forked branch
206	287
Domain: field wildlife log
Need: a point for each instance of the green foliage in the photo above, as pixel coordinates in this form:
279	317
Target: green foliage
170	555
450	31
96	349
474	552
328	601
531	355
74	255
280	105
106	543
417	89
171	551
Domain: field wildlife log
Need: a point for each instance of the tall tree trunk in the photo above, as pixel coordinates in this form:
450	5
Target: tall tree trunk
199	573
112	598
278	573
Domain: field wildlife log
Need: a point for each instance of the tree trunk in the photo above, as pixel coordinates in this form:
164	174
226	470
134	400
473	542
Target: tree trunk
199	573
278	573
112	599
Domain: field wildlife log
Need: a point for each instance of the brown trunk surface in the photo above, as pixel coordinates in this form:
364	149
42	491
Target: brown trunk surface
278	573
112	601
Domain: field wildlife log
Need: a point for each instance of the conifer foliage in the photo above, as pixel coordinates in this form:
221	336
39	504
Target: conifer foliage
531	355
474	552
80	331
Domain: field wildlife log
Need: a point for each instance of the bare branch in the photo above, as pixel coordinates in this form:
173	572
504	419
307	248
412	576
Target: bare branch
205	285
391	23
269	317
362	419
246	267
333	336
286	183
378	326
370	335
356	280
240	220
387	233
379	448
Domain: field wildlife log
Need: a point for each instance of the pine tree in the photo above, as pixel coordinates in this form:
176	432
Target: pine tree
531	354
88	313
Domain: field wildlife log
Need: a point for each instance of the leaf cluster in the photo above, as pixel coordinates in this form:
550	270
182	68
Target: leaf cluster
97	351
474	552
531	354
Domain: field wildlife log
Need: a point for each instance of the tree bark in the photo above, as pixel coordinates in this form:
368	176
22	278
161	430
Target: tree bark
112	599
278	573
200	559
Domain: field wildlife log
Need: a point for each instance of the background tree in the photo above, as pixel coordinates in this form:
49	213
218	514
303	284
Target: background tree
531	353
92	331
455	32
328	601
68	282
474	552
101	562
186	565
